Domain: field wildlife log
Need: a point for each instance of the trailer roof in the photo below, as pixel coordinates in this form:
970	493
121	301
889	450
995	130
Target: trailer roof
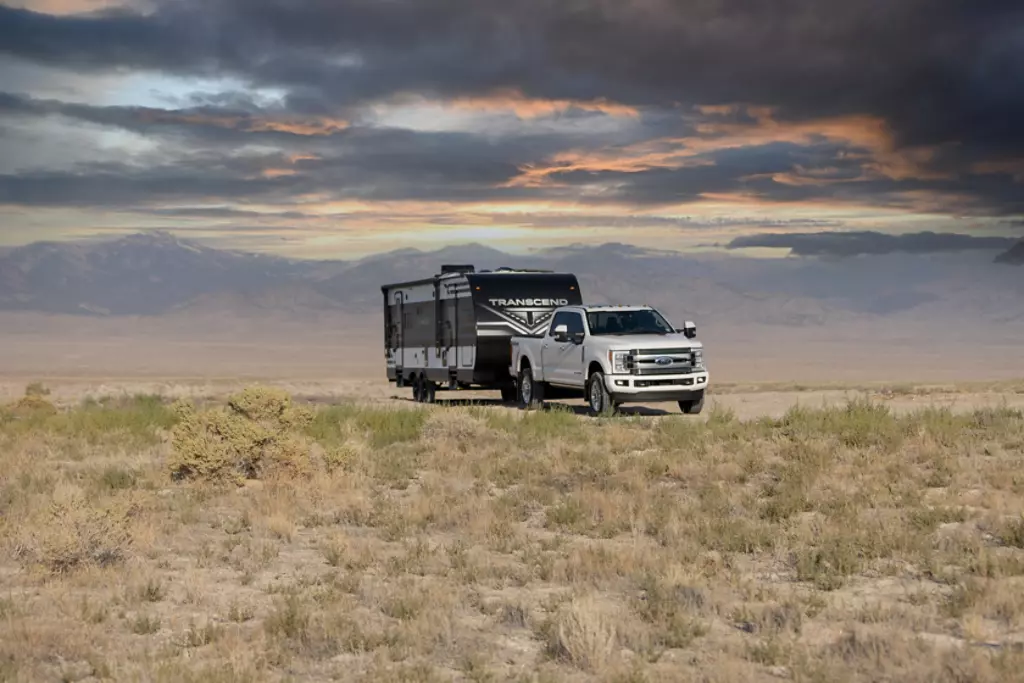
500	272
424	280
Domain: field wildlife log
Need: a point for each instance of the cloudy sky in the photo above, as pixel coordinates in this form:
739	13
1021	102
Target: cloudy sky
339	127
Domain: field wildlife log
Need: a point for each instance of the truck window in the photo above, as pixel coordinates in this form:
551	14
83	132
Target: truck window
572	321
575	323
644	321
561	318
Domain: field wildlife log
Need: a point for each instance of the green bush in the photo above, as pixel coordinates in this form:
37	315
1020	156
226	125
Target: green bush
259	431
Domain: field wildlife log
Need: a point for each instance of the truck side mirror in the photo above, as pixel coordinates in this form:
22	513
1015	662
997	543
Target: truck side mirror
561	333
577	338
689	329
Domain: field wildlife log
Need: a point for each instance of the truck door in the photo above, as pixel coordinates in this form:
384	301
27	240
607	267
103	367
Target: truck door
561	360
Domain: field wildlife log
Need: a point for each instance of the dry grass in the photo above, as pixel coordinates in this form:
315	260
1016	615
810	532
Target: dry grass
485	544
879	390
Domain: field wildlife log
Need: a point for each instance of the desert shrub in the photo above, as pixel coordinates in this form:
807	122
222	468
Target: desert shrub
583	632
259	430
75	532
32	406
37	389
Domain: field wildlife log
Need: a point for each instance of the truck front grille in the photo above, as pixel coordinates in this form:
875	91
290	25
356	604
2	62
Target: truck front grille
645	361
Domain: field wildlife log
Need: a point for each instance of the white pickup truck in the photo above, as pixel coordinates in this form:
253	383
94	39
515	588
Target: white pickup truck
611	355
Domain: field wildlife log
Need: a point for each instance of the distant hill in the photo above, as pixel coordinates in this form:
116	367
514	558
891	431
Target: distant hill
142	274
158	274
1013	256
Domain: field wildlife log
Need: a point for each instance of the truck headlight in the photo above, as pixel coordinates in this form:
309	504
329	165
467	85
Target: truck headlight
698	357
619	361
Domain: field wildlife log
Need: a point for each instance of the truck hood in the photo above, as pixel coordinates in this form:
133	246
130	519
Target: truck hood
645	341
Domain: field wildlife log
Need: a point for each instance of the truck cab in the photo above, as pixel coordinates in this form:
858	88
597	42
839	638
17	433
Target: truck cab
611	355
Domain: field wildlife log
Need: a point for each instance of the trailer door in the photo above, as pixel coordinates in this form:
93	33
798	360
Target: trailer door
399	336
465	318
449	333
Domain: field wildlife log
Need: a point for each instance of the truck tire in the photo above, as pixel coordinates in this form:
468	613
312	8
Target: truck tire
417	389
598	399
692	407
530	393
428	390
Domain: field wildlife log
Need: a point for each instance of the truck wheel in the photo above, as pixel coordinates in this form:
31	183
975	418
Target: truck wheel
692	407
598	398
531	394
428	390
417	389
509	394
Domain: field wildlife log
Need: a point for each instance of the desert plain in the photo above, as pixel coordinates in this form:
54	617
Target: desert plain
841	511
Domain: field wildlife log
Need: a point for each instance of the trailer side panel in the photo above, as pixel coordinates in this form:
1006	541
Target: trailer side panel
455	327
509	304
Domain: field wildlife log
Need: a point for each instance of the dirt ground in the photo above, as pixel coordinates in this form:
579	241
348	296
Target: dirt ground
744	401
473	541
392	541
755	371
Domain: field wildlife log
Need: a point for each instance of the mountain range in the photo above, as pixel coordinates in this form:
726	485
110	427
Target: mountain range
1013	256
159	274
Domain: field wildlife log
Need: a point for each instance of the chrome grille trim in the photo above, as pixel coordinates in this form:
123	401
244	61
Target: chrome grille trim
641	361
684	350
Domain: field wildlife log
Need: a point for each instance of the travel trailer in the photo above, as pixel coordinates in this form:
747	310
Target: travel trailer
453	330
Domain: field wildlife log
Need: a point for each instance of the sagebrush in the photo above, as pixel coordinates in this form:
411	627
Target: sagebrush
258	431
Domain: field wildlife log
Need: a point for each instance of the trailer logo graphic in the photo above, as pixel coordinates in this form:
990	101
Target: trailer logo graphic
545	303
523	316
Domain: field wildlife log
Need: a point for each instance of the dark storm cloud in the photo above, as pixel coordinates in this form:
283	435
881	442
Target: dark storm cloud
939	72
391	165
643	221
224	212
756	170
115	187
947	76
113	39
396	164
866	242
228	127
206	125
372	167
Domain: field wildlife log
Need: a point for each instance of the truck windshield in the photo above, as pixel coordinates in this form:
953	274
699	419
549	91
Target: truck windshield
644	321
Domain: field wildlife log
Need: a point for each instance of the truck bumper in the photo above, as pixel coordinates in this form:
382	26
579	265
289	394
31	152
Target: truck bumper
655	388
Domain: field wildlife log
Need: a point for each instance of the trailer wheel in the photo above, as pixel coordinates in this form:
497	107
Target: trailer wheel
417	389
531	394
429	390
